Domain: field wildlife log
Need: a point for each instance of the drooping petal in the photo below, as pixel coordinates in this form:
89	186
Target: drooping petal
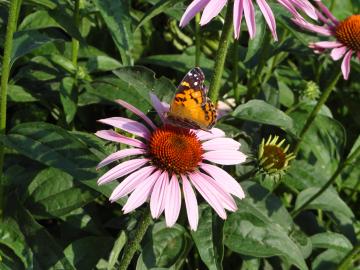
205	191
141	193
269	17
131	182
122	169
205	135
158	106
128	125
191	203
212	9
238	13
195	7
345	65
326	11
328	44
221	144
225	180
249	13
338	53
225	157
120	154
305	6
113	136
172	201
157	200
136	111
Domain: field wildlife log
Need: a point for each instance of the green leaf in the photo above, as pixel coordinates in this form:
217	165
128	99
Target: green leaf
17	93
329	200
116	15
53	193
331	240
165	247
118	246
68	96
102	63
208	238
261	112
12	237
329	259
46	250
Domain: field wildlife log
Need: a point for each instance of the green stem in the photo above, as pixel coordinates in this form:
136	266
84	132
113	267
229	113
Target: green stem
10	29
221	55
346	262
75	42
325	95
133	245
332	179
236	72
197	40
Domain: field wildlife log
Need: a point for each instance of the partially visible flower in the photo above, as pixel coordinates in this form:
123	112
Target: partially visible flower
345	34
273	158
169	157
241	7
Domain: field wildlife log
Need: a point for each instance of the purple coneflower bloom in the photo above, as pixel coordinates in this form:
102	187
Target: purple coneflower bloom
213	7
168	157
346	34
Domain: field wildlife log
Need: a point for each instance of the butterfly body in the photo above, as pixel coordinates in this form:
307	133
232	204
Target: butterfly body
191	108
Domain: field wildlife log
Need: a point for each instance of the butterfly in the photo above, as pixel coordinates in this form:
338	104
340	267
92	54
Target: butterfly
191	108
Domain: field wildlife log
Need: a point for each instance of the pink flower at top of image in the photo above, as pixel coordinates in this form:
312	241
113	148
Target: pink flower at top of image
167	163
344	35
211	8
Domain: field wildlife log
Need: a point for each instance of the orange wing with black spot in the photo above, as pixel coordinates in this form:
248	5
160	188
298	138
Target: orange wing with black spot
191	108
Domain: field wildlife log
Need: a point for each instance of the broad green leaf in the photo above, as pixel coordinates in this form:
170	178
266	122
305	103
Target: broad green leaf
116	15
261	112
118	246
84	253
102	63
329	259
12	237
331	240
165	247
53	193
17	93
68	96
208	238
328	201
8	260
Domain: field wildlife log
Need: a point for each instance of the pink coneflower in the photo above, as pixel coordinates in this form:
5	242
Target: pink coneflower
213	7
168	157
346	34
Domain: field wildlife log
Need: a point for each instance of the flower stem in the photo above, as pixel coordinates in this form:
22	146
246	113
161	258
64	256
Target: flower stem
74	41
236	72
197	40
332	179
10	29
133	245
346	262
325	95
221	55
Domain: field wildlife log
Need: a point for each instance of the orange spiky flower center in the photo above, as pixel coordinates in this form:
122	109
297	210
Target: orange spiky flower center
275	155
175	149
348	32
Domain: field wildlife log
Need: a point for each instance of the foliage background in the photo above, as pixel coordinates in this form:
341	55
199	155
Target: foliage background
58	218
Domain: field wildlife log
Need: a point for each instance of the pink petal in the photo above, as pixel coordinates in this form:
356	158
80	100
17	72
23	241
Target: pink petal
131	182
249	13
326	11
212	9
128	125
205	135
328	44
337	53
141	193
205	190
238	13
191	203
122	169
322	30
345	65
120	154
269	17
158	106
172	201
305	6
157	200
195	7
221	144
225	180
136	111
113	136
225	157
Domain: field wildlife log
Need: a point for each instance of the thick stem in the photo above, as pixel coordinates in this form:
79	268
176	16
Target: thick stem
352	255
75	42
325	95
133	245
197	40
332	179
10	29
221	54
